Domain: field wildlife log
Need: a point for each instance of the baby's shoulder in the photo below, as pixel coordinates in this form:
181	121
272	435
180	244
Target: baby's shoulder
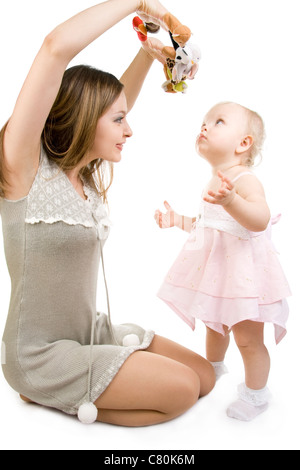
247	183
243	174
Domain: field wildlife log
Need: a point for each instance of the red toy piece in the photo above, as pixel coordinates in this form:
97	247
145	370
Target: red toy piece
140	28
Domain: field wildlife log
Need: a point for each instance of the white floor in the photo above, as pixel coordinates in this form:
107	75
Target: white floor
138	255
205	427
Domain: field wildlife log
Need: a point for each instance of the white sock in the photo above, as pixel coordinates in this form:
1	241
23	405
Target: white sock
220	369
251	403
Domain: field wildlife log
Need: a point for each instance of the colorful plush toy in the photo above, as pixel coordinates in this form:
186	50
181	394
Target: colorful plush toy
184	67
186	61
143	28
140	28
181	62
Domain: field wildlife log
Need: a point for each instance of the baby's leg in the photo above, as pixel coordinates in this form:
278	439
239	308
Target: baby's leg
249	337
216	348
253	395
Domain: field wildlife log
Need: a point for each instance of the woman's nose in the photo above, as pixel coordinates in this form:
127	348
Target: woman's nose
128	131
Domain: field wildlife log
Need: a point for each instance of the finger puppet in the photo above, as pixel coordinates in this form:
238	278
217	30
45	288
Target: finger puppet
186	61
181	62
142	28
169	22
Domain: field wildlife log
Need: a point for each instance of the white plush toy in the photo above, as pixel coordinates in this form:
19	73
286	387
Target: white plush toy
186	62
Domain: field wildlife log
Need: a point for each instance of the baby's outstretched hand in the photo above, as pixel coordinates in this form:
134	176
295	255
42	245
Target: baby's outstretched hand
167	220
225	194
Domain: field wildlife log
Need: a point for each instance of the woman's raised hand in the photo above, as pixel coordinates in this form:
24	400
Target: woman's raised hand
152	11
156	49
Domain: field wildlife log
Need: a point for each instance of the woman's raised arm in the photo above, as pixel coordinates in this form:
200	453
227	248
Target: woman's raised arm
23	132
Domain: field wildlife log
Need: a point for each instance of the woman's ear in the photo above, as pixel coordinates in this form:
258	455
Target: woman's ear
245	144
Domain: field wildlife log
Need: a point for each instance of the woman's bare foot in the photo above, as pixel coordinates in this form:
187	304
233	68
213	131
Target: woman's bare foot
27	400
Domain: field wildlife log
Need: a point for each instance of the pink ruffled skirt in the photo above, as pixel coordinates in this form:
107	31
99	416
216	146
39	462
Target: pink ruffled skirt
222	279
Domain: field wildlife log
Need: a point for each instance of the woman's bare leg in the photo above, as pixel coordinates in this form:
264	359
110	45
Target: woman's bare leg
156	385
201	366
149	389
27	400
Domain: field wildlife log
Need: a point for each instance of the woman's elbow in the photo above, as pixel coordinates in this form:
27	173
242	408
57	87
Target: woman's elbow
53	46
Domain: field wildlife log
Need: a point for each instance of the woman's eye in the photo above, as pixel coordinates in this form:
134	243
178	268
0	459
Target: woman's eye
119	120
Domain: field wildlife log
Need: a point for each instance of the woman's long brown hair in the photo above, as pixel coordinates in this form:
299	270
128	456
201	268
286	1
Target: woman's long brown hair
84	96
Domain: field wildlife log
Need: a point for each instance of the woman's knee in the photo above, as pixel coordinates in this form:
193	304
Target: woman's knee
208	379
183	393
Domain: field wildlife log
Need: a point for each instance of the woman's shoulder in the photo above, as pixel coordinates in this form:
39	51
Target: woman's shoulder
19	184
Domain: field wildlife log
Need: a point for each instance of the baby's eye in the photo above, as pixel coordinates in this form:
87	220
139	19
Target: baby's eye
219	121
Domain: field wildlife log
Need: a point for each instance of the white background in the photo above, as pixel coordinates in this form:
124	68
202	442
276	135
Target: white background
250	55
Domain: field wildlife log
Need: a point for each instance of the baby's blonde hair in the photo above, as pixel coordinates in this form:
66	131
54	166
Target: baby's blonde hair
255	128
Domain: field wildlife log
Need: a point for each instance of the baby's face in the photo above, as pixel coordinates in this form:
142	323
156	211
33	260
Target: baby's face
223	129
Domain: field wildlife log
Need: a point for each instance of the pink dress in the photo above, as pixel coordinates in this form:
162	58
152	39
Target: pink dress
226	274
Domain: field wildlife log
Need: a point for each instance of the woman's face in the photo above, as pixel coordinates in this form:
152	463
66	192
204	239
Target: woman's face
112	132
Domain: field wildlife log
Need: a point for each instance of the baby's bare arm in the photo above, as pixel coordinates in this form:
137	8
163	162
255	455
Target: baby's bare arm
245	201
171	219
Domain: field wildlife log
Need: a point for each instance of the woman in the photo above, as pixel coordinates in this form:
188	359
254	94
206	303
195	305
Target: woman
65	126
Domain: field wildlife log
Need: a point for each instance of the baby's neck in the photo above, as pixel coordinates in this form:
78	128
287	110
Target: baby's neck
225	167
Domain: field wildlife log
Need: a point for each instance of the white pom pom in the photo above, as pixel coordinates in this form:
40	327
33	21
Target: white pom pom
87	413
131	340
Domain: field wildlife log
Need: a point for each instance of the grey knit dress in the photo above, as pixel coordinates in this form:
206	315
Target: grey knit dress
52	246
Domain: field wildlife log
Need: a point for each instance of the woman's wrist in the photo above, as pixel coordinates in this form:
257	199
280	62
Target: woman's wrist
147	56
138	5
134	5
131	6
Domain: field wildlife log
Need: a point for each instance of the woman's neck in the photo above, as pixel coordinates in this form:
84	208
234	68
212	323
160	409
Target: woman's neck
76	181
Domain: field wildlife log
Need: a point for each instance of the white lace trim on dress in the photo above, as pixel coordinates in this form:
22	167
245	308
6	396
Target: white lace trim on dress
215	217
53	199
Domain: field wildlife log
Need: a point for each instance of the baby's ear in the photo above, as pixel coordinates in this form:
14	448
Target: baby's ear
245	144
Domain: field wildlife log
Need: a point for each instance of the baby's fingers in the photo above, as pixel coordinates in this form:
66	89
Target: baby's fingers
167	206
226	180
157	217
215	196
211	200
224	191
